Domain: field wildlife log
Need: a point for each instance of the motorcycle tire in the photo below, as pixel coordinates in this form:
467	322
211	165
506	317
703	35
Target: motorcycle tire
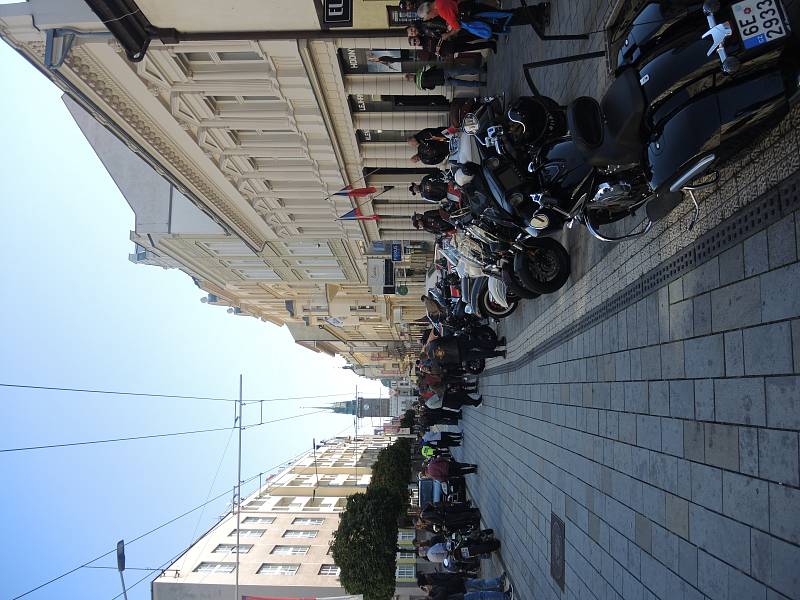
544	267
475	367
489	309
514	285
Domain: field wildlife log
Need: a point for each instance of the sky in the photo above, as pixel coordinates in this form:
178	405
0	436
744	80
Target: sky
76	313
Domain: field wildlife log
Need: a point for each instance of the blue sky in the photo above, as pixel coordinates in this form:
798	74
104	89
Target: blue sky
76	313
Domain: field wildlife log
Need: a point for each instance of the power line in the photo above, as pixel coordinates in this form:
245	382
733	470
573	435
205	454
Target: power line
172	396
139	537
150	436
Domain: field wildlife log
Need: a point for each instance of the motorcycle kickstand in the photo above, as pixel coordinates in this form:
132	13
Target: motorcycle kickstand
691	189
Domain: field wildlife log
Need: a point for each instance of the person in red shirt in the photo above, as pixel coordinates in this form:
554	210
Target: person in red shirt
454	13
441	469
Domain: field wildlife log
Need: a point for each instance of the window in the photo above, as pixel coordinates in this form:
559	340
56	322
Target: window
248	532
255	503
238	56
259	520
215	567
331	570
307	521
243	548
405	536
406	572
406	555
290	550
277	569
300	533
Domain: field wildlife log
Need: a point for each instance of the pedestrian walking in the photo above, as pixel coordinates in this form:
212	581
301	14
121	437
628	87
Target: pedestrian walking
441	469
429	77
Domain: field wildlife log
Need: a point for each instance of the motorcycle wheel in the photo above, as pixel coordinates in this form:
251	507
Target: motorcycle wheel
544	267
490	309
475	367
514	285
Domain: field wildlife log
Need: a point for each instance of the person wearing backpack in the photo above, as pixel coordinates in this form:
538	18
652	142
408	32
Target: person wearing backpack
429	77
480	22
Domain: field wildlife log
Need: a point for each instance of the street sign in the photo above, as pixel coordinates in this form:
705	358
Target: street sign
397	251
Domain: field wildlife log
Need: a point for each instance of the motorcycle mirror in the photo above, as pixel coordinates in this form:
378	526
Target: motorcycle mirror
470	124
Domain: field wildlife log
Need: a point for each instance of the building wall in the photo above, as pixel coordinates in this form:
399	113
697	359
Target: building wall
301	491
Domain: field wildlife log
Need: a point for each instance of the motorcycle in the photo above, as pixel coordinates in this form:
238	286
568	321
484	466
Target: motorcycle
467	549
694	84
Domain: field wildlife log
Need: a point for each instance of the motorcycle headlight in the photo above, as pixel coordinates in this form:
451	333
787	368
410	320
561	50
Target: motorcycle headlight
470	124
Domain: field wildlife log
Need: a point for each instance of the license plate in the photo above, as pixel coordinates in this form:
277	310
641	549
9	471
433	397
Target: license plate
759	22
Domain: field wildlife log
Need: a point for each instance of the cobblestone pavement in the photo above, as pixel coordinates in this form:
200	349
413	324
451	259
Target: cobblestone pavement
653	403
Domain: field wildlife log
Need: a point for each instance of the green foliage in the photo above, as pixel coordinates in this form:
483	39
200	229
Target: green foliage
364	544
392	468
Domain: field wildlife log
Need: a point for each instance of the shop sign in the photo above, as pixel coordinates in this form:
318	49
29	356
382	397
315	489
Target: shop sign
337	13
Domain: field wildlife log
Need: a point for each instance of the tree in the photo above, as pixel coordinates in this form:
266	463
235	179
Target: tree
364	544
408	419
392	468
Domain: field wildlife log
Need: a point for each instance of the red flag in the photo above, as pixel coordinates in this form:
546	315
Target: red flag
356	193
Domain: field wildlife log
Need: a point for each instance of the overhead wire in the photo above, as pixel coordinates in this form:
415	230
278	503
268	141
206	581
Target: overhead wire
172	396
151	531
150	436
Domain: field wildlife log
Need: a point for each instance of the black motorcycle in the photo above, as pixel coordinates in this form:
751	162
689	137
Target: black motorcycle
694	84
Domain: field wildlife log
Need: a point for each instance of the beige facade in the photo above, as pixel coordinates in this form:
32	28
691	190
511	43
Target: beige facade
252	138
285	531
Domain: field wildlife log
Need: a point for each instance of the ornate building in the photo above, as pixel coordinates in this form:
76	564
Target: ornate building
253	121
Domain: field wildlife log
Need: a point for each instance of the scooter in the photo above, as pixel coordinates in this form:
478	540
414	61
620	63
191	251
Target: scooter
694	85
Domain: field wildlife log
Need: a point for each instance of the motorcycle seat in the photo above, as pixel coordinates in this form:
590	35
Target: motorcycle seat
610	132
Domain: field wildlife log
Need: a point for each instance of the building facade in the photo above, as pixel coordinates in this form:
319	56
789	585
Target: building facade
252	136
285	531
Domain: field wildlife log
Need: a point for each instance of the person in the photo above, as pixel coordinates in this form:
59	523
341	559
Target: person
433	221
429	77
456	516
441	469
439	416
455	399
482	20
433	47
442	439
433	187
432	145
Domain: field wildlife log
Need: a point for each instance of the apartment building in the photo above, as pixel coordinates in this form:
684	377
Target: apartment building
254	117
285	529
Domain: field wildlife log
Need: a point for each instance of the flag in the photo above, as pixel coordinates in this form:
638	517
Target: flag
355	215
356	193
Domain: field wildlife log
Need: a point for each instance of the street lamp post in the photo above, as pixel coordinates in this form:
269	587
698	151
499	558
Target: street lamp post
121	565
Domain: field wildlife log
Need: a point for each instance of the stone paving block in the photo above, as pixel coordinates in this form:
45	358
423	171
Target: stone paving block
648	432
796	340
687	561
731	265
701	279
627	428
768	349
712	576
720	536
622	366
780	293
681	398
756	258
702	314
781	240
654	576
704	399
672	361
684	478
745	499
672	436
651	362
748	450
740	401
704	356
662	296
736	305
694	441
734	354
783	402
636	397
641	462
676	290
664	471
677	515
722	445
775	562
659	397
634	559
617	396
681	320
784	512
742	587
643	533
707	486
654	504
777	456
665	547
636	363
